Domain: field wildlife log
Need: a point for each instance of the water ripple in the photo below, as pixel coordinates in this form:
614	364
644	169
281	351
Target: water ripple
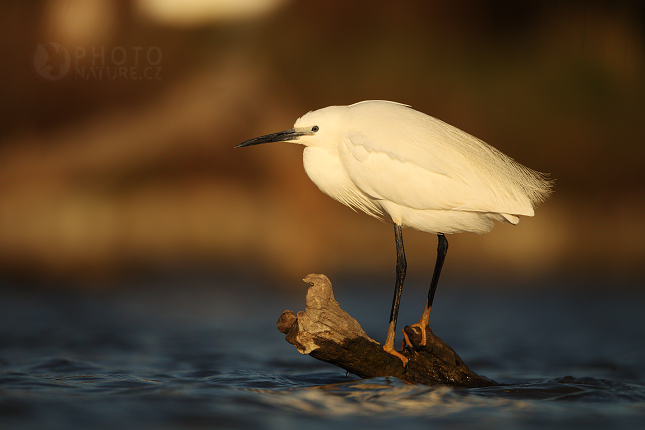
87	364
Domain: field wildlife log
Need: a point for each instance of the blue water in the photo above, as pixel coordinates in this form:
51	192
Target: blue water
204	353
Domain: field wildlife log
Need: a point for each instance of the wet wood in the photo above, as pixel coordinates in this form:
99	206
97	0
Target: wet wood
328	333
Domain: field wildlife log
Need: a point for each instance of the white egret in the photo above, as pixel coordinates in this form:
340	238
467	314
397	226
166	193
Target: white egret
393	162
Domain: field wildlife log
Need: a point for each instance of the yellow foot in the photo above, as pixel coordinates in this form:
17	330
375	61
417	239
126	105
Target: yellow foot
393	352
422	325
406	340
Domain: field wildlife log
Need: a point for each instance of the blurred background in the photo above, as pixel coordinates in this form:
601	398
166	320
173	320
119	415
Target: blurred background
118	121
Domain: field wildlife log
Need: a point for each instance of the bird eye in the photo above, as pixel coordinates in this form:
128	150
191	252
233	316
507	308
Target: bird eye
315	128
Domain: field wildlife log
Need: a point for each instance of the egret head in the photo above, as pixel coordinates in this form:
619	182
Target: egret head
311	129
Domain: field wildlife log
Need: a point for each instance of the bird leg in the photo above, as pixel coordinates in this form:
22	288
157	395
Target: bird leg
442	250
389	344
401	266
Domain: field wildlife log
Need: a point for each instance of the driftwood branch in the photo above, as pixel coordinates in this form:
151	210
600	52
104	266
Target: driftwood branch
328	333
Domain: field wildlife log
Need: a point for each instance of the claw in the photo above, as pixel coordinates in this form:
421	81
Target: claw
424	338
393	352
406	340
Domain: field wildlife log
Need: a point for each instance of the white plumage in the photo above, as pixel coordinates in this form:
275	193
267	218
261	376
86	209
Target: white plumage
385	158
390	161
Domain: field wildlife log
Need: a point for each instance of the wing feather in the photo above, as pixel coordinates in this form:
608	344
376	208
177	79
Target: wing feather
421	162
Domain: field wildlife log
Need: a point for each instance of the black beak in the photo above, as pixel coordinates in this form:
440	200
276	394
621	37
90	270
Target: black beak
282	136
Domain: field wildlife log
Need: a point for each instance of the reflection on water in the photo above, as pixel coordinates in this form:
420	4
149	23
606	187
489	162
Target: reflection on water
192	357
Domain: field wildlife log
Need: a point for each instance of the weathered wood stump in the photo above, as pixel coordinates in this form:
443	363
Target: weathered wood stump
328	333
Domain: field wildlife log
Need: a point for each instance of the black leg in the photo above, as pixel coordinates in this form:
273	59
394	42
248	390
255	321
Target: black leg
401	266
442	250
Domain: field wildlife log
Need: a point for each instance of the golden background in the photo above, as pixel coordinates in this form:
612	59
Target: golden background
103	176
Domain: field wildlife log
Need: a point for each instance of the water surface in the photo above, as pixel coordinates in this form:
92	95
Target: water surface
201	353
